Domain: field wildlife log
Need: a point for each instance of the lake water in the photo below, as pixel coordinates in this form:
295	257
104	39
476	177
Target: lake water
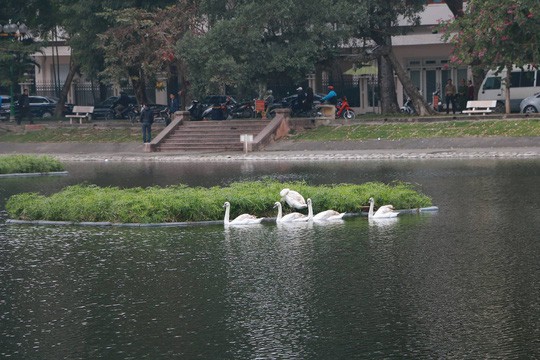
463	282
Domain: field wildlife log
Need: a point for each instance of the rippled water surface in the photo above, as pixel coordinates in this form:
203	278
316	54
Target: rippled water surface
460	283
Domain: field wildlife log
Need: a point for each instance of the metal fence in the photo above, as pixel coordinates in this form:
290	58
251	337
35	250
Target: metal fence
87	93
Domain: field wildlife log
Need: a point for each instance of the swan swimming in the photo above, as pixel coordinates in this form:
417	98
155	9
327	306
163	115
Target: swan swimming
244	219
292	217
293	198
327	215
385	211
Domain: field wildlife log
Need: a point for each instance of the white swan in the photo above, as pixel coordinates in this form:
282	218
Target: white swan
327	215
385	211
244	219
293	198
292	217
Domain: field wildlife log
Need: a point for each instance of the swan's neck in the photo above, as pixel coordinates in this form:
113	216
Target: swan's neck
310	211
371	205
227	213
279	213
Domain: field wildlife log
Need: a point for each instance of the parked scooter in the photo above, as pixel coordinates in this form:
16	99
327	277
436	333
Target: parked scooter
408	107
244	110
344	110
222	111
130	112
196	110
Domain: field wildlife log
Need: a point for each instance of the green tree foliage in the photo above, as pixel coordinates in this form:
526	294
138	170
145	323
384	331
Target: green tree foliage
82	23
496	34
15	56
249	42
140	44
374	22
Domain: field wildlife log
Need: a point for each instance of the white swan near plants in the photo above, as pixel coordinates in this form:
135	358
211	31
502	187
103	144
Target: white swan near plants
293	198
292	217
385	211
244	219
327	215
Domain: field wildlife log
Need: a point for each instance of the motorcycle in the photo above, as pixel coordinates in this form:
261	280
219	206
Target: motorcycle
245	110
196	110
130	112
222	111
163	116
291	102
344	110
408	108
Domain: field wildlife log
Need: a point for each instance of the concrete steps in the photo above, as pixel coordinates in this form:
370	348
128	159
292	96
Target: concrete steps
211	135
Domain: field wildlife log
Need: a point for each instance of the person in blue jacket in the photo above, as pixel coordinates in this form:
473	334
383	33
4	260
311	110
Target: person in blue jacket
331	97
173	106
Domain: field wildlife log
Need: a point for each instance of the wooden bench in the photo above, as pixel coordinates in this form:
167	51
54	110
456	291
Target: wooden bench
81	113
480	106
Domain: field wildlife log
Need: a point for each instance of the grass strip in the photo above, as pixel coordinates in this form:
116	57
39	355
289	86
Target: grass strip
181	203
24	164
81	135
450	129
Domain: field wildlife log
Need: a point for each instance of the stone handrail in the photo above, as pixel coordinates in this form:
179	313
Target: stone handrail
277	128
178	119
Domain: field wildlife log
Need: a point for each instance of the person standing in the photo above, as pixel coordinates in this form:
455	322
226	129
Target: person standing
470	91
147	119
121	104
308	103
450	96
298	105
24	108
174	106
331	97
463	95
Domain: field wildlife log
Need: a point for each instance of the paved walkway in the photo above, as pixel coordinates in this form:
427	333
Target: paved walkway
288	150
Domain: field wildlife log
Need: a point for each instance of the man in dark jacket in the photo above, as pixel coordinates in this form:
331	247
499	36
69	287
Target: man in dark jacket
147	119
121	104
24	108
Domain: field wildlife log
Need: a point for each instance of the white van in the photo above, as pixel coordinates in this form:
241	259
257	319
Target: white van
523	83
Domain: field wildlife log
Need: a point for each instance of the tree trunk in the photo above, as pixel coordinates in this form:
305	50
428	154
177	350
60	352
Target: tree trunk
389	104
136	77
455	6
73	69
419	103
507	87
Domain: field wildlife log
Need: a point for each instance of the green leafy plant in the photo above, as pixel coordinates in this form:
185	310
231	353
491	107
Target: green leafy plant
10	164
181	203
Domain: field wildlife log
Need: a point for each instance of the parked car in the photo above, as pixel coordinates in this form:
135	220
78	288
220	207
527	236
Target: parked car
5	108
104	109
40	106
530	104
43	106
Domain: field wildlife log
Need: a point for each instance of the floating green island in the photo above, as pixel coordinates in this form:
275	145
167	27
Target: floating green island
180	203
26	164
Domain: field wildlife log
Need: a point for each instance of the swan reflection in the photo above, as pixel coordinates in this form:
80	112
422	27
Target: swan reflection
383	222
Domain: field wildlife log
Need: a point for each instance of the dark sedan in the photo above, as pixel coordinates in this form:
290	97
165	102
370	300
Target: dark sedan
43	106
5	108
40	106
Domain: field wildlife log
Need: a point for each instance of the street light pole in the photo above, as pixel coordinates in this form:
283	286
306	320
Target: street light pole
11	95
